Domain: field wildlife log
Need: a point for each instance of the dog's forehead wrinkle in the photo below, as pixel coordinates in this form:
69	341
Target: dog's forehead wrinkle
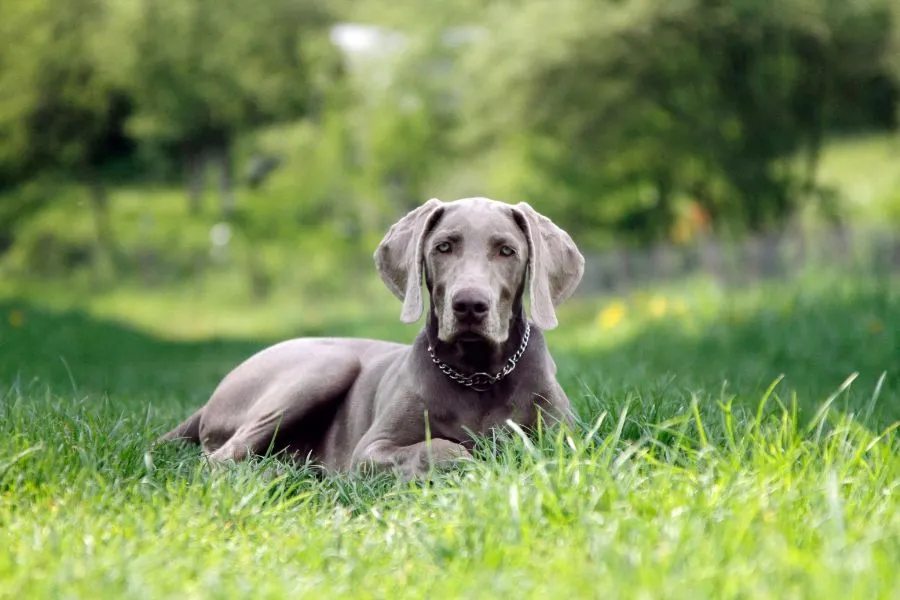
480	219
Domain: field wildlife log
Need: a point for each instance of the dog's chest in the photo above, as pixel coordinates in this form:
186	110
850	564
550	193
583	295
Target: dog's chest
479	415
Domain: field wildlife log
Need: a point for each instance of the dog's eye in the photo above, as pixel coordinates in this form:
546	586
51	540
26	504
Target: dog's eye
506	251
443	247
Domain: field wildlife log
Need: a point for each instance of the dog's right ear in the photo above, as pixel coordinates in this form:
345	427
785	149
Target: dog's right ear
399	257
554	263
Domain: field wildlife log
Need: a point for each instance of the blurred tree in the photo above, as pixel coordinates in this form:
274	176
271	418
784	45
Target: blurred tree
58	111
628	115
407	112
409	123
654	106
892	56
202	71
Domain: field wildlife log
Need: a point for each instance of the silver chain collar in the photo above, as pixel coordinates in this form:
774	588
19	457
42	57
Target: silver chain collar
481	382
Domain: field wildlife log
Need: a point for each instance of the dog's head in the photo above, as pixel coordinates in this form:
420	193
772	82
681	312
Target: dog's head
477	255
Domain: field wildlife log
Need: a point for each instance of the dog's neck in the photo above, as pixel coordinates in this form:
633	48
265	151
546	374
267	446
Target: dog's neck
480	356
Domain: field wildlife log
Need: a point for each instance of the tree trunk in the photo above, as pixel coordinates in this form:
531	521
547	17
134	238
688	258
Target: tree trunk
662	224
106	239
221	156
260	280
195	171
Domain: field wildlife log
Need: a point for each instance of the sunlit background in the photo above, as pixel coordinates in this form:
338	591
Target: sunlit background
200	168
192	164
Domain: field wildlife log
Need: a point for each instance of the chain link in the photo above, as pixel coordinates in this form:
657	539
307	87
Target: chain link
481	382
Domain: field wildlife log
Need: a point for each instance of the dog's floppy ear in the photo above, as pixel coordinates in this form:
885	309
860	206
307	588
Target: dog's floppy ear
554	263
399	257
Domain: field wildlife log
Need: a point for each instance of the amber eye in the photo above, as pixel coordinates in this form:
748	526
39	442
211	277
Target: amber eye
506	251
443	247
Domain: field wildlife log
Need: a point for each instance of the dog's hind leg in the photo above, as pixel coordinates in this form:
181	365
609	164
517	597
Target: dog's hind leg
286	403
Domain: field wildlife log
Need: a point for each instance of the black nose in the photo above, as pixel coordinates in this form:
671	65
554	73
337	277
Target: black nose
470	305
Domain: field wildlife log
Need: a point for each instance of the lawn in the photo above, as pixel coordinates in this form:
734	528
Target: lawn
734	444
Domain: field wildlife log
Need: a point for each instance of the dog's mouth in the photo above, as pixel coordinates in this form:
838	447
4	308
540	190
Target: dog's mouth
473	339
468	334
470	337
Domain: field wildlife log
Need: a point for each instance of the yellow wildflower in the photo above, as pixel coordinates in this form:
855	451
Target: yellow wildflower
658	306
875	326
611	315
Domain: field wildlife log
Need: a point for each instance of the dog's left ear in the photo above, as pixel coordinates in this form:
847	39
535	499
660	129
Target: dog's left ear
554	263
399	257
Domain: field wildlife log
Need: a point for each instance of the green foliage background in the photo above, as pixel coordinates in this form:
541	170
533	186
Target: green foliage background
631	120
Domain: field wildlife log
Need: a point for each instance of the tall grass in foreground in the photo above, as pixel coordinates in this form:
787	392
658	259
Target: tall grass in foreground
718	503
696	471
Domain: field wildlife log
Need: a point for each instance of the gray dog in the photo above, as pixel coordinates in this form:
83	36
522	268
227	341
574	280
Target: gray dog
477	363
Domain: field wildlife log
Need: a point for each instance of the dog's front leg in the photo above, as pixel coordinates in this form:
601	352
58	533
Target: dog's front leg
413	460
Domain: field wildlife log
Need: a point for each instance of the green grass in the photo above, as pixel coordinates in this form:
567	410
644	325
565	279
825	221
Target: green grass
864	170
699	471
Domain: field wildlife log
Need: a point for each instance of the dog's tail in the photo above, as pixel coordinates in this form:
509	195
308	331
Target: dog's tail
188	431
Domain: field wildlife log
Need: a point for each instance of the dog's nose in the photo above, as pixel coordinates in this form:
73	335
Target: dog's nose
470	305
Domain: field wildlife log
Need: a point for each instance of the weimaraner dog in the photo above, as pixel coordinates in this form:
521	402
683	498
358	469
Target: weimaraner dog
477	362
